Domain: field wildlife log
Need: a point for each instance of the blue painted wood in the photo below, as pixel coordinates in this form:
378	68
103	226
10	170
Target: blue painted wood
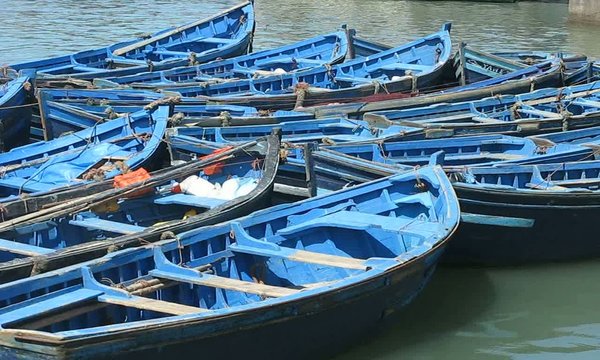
408	67
466	151
106	225
91	225
551	72
16	99
560	200
317	51
64	111
41	167
513	214
505	221
191	200
311	282
21	248
332	130
223	35
541	111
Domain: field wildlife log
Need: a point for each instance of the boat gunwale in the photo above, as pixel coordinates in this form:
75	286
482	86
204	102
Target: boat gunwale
330	290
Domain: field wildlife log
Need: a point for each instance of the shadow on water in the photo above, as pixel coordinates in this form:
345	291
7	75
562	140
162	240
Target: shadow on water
455	297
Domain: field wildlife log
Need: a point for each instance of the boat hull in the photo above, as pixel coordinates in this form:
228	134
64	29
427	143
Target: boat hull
16	113
401	101
524	228
258	198
324	323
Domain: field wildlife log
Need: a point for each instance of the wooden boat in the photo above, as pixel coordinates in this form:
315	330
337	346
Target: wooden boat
530	57
65	227
408	67
541	111
226	34
467	151
272	275
537	76
100	152
510	214
320	171
317	51
473	65
16	98
581	137
62	113
523	214
329	131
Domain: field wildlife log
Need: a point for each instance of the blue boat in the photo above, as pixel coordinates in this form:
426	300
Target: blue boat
540	111
474	66
521	214
317	51
530	57
100	152
409	67
467	151
549	73
61	228
582	136
328	131
333	266
16	101
226	34
62	113
320	171
510	214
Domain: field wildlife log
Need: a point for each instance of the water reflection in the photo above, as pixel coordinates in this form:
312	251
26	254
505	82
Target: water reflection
37	28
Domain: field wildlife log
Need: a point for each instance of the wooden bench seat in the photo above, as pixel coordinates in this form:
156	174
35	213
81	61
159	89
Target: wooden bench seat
167	270
107	225
189	200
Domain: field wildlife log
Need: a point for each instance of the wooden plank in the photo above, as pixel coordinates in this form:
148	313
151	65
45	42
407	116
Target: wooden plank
325	259
551	99
48	305
501	156
177	30
577	182
226	283
304	256
23	249
143	303
107	225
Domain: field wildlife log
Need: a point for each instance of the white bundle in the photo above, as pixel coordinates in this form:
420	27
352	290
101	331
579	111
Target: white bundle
231	188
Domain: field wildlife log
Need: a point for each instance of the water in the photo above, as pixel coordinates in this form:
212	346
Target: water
38	28
529	313
549	312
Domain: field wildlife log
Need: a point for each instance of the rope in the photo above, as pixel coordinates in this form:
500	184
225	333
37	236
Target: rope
301	91
226	118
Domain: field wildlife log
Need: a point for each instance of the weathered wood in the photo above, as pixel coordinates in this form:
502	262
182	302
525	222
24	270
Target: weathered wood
226	283
309	257
142	303
325	259
309	166
95	199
